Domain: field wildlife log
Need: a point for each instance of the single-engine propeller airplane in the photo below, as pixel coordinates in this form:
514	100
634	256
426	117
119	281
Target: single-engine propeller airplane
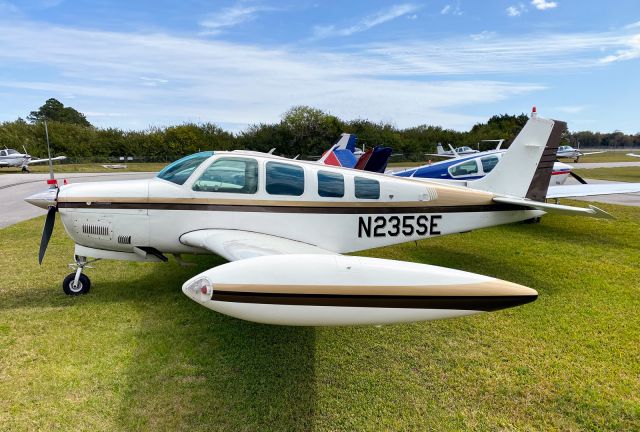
13	158
284	224
566	151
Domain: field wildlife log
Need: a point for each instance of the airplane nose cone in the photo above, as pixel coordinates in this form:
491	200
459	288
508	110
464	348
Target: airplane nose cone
43	199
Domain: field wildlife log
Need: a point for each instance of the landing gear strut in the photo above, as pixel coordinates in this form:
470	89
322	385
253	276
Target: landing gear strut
77	283
25	169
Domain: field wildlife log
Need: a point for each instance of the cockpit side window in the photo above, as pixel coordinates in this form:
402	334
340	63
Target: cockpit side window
232	175
3	152
179	171
284	179
330	184
12	151
367	188
489	163
469	167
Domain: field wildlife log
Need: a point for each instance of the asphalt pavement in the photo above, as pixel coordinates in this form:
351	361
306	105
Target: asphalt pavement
14	188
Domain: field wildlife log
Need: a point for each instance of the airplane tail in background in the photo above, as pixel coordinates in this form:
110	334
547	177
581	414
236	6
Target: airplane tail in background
440	149
342	154
525	168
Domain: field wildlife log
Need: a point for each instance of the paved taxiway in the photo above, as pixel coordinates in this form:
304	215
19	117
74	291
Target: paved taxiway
15	187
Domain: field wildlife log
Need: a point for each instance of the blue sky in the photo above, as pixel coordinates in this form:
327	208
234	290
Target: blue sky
133	64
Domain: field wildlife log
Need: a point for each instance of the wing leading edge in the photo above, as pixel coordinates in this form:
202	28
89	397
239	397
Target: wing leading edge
235	245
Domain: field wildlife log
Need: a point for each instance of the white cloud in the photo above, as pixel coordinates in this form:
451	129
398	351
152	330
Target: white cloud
216	22
448	9
163	79
367	22
517	10
632	51
483	35
543	4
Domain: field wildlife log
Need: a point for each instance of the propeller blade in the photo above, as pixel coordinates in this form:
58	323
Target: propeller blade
577	177
46	232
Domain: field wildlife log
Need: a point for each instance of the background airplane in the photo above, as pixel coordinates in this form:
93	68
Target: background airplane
13	158
457	152
285	223
566	151
633	155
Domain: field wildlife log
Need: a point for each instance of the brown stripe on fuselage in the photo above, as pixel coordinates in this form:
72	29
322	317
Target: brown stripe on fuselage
475	303
323	207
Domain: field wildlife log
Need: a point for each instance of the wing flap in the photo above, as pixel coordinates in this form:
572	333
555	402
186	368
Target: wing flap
235	245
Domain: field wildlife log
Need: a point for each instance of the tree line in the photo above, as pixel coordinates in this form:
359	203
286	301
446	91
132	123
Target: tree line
302	130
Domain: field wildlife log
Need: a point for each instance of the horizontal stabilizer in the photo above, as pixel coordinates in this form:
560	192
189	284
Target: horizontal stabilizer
592	211
582	190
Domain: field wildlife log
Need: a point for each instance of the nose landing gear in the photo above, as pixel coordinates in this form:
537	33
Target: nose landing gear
77	283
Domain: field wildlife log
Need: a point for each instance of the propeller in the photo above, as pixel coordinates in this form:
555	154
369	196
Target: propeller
51	211
47	231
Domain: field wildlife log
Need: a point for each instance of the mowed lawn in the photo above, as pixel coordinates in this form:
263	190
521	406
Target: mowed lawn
621	174
136	354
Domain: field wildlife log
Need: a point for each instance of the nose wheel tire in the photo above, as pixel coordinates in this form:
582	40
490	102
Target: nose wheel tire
84	284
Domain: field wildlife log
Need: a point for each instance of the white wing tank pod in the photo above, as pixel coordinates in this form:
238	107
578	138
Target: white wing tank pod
314	290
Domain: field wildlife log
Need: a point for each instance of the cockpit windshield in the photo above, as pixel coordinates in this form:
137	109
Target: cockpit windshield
179	171
12	151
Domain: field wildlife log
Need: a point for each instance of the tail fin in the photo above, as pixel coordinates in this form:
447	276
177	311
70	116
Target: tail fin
440	149
525	168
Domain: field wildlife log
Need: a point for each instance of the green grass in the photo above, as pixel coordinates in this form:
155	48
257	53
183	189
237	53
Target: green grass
91	167
137	354
611	156
622	174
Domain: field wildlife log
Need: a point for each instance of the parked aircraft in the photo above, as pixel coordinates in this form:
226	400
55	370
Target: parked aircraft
457	152
285	223
633	155
13	158
474	167
344	153
566	151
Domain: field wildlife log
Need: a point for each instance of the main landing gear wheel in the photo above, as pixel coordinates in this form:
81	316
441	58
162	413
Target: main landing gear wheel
25	169
82	287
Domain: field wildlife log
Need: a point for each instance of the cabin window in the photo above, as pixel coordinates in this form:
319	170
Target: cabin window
330	184
469	167
367	188
3	153
231	175
489	163
284	179
179	171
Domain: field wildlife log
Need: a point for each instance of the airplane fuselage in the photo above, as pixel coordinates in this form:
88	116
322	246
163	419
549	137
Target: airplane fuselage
373	209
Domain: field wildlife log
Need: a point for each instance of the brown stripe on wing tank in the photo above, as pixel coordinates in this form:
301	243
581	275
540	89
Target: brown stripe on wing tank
484	296
475	303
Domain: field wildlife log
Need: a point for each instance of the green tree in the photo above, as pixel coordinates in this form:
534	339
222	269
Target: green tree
54	110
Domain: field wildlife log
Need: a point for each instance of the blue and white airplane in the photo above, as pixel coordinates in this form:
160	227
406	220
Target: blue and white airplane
474	167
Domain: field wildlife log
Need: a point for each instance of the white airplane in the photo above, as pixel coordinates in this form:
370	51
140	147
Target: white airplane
566	151
284	225
13	158
457	152
633	155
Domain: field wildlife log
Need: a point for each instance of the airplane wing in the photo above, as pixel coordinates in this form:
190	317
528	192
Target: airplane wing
581	190
592	211
35	161
598	152
235	245
633	155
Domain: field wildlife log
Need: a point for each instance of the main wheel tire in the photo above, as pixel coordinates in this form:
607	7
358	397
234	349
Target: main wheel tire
84	285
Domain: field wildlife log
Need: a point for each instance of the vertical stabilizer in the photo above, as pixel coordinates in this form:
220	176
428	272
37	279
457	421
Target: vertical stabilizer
525	168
